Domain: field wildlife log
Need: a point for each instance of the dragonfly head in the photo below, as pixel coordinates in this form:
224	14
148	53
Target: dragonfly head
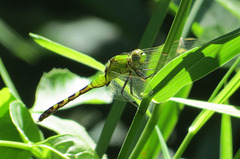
138	57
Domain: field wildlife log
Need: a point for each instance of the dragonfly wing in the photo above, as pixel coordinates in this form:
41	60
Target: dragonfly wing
131	85
129	88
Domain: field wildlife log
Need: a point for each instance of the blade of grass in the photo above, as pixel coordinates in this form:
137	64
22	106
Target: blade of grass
175	33
224	48
166	153
168	119
152	30
67	52
194	64
220	108
226	149
192	15
151	145
148	38
109	127
224	79
203	117
7	80
231	6
237	155
16	44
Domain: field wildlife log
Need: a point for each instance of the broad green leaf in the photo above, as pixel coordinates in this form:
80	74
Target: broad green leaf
8	130
21	118
67	52
220	108
69	146
59	84
65	126
194	64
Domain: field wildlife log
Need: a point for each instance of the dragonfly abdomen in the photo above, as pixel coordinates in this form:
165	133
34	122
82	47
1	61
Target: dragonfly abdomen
98	82
62	103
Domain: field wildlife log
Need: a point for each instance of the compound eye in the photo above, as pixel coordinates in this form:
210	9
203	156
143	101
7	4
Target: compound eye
136	57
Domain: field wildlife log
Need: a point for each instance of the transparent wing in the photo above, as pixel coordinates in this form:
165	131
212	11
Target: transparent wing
128	87
152	55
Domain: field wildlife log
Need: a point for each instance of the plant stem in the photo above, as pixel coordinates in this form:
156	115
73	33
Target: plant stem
109	127
203	117
175	33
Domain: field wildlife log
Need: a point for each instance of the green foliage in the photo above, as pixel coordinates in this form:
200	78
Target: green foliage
67	52
21	138
59	84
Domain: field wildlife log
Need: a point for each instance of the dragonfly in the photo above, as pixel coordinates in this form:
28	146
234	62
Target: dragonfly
126	75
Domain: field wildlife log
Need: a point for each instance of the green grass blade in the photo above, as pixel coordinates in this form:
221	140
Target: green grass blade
203	117
231	6
177	26
154	24
16	44
193	65
192	15
67	52
148	38
7	80
165	151
175	33
226	149
109	127
220	108
237	155
224	79
169	117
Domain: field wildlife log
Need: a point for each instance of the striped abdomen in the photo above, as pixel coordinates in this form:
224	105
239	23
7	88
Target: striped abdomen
99	82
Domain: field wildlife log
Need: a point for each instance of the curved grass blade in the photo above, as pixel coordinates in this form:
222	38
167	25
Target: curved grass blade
67	52
193	65
220	108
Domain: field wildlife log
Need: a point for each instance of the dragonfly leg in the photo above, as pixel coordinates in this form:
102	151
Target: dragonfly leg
150	76
124	85
139	73
131	89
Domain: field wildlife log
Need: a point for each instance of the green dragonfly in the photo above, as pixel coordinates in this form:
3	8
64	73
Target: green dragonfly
126	75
